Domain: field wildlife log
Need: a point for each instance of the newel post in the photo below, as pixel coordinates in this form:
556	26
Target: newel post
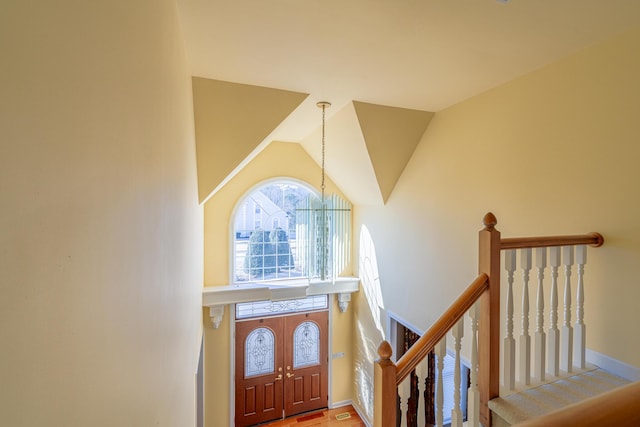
489	324
384	388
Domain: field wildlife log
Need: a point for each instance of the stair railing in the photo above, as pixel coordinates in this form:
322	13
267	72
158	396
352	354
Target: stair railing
482	301
555	349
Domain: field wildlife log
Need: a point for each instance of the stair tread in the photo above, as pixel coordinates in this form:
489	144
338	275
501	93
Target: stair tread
545	398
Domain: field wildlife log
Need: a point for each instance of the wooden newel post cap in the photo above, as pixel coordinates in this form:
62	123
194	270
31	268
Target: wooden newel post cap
489	221
385	351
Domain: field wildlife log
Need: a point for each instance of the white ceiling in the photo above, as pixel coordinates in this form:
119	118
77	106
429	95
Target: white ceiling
419	54
416	54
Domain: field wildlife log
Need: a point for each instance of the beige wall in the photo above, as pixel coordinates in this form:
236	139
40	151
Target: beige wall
553	152
279	159
100	228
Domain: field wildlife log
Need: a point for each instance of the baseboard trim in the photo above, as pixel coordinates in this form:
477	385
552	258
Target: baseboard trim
614	366
340	404
364	419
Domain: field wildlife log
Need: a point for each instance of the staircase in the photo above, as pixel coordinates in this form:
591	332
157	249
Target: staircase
545	398
550	366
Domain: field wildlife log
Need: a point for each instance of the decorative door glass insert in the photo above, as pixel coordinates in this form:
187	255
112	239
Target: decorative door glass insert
245	310
259	352
306	345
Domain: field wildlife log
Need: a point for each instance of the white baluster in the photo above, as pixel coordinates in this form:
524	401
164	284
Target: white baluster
566	362
525	339
553	361
473	396
404	390
509	340
581	328
540	336
422	372
456	412
441	352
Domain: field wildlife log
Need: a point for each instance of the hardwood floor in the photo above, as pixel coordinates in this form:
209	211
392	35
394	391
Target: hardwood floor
323	418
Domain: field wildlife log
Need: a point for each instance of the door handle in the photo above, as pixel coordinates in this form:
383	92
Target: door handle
278	378
289	375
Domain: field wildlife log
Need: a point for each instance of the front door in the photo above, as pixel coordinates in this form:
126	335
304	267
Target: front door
281	367
259	374
306	359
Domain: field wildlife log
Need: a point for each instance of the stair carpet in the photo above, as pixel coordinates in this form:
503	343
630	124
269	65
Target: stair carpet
540	400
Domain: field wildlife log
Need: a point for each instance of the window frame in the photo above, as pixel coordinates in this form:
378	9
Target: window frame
235	212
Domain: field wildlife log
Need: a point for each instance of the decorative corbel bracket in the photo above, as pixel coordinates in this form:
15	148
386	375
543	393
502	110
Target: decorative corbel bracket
216	312
344	298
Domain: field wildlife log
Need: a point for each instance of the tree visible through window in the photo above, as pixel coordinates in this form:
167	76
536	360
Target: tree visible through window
282	230
268	253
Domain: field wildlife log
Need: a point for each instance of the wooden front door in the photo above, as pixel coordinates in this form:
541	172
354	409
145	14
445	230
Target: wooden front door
306	360
281	367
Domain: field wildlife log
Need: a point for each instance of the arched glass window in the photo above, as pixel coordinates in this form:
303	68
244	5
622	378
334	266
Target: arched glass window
259	350
282	230
306	345
265	240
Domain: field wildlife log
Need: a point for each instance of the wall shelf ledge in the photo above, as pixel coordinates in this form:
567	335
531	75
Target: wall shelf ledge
216	297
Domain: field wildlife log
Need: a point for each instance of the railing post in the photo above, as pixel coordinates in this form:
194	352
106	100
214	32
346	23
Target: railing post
566	362
422	372
489	326
473	397
441	352
553	362
539	368
525	338
384	388
580	329
509	378
456	412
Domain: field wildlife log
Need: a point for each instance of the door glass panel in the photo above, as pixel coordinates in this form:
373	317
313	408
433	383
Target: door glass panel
306	345
259	352
245	310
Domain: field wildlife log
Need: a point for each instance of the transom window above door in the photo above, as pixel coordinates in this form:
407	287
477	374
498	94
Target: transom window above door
282	230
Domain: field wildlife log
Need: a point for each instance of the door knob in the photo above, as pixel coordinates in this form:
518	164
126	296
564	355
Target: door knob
279	377
289	375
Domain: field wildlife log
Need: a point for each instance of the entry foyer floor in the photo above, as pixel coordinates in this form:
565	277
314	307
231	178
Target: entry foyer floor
323	418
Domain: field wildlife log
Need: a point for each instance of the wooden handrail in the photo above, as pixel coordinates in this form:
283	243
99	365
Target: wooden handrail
592	239
439	329
618	407
485	290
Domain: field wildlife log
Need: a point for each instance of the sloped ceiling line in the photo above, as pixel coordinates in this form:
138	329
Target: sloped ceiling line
371	146
232	125
391	136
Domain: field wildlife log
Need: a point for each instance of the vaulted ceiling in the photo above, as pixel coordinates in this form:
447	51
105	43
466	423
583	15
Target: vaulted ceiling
384	65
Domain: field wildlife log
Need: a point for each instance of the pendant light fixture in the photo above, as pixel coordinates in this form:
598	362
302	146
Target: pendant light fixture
324	225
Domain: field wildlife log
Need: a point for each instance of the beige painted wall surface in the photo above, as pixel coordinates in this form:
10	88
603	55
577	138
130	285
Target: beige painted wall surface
232	120
100	228
391	135
279	159
553	152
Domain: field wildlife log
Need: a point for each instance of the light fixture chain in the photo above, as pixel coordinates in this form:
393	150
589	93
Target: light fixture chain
323	152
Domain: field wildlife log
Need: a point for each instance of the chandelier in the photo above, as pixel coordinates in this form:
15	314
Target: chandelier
324	225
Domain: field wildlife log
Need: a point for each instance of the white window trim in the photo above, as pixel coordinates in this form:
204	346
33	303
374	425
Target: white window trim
240	202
